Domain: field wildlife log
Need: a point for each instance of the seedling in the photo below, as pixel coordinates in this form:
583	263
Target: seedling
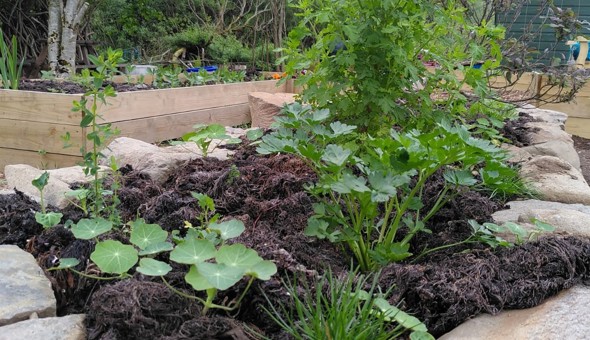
46	219
204	135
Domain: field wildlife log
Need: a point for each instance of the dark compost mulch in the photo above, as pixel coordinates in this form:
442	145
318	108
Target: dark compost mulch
267	194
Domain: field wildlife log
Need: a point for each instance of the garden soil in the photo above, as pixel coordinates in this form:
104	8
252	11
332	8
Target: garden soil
267	194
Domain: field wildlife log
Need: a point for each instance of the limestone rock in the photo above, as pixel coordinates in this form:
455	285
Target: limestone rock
158	163
542	132
561	317
517	155
556	148
556	180
70	327
265	106
519	208
549	116
19	176
24	289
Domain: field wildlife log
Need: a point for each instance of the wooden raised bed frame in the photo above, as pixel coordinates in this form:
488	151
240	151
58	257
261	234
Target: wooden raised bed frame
31	123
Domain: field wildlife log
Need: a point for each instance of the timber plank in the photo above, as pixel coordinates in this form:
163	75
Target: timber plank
32	158
39	106
165	127
150	103
578	126
39	136
579	108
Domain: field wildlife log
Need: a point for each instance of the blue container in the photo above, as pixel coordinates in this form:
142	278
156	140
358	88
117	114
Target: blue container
209	69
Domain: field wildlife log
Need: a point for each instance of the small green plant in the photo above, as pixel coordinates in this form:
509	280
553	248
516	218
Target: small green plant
342	309
10	68
46	219
214	264
98	134
370	187
204	135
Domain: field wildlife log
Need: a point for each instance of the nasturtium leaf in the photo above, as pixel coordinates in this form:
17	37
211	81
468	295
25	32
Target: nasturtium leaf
228	229
516	229
87	229
144	235
421	335
153	267
543	226
41	181
68	262
114	257
221	276
196	280
193	251
49	219
404	319
335	154
156	248
254	134
494	227
263	270
237	256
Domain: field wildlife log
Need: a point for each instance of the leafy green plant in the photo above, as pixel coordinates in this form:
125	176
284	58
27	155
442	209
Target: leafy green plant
342	309
98	134
214	264
10	68
370	187
367	60
46	219
204	136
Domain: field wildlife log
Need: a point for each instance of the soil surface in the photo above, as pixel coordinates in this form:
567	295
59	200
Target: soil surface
267	194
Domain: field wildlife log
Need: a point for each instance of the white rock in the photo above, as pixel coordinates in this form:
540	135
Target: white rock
548	116
70	327
567	221
265	106
24	289
556	180
517	155
556	148
518	208
541	132
158	163
563	317
20	176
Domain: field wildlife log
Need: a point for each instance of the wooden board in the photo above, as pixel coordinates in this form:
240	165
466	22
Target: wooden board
47	161
578	108
39	136
160	128
578	126
39	107
143	104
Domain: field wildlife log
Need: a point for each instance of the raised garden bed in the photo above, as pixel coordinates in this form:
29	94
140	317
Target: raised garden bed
33	122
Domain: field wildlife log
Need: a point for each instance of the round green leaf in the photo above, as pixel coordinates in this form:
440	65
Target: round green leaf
156	248
220	275
114	257
193	251
144	235
228	229
237	256
196	280
263	270
87	229
49	219
68	262
153	267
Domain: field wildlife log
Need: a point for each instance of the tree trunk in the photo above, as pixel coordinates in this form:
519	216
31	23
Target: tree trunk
55	9
64	21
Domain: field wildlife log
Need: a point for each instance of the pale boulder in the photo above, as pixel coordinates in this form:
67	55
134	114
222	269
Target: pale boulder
265	106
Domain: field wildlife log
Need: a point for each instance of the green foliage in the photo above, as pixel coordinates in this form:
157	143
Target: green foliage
46	219
368	191
204	136
366	60
342	309
98	134
10	68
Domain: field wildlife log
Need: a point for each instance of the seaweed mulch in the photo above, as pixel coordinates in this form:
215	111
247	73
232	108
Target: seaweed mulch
267	194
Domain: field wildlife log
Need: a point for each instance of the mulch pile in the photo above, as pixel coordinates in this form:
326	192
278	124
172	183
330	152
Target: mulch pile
267	194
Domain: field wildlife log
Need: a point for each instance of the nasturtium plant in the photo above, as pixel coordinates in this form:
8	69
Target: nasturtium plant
87	229
144	235
153	267
45	218
193	251
114	257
